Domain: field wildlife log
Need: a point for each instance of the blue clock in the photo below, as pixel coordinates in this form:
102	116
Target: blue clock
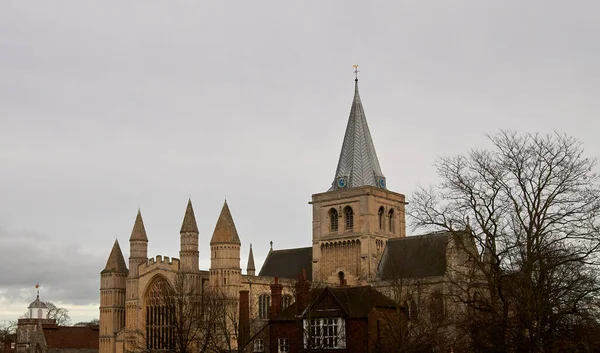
341	183
382	183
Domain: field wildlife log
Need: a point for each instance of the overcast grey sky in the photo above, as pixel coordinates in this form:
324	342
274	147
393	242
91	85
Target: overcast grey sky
110	105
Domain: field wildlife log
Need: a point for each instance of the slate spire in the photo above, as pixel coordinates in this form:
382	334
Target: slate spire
225	231
358	164
251	268
189	220
116	261
139	231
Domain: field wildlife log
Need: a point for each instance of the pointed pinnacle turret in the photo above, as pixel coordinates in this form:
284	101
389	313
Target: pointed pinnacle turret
225	231
189	220
139	231
116	261
250	266
358	164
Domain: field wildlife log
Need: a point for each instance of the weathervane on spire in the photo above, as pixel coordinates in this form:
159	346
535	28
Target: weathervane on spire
355	72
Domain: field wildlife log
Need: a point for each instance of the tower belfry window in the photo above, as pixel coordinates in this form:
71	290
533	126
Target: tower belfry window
380	214
391	221
349	217
333	220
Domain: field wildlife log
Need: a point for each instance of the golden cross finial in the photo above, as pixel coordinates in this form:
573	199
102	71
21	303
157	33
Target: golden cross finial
355	72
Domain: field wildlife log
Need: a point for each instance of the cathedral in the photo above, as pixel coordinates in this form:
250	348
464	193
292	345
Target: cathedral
358	237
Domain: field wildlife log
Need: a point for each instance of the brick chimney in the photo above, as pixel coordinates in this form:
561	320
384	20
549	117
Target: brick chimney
244	320
276	298
302	293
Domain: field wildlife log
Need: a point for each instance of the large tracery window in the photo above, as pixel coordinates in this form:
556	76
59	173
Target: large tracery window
159	331
349	217
333	220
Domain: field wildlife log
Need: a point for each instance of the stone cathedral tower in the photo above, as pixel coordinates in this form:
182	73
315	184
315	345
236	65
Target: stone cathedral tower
225	271
354	219
138	254
112	298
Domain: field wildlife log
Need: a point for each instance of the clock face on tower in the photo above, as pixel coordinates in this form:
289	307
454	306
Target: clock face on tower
341	182
382	183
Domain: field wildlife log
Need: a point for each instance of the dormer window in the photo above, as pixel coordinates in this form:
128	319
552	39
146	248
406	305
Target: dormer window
349	218
333	220
391	221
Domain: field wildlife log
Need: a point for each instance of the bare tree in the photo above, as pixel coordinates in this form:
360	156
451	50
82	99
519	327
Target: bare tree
531	206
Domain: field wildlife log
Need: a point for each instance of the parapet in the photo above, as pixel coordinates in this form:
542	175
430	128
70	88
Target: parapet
159	262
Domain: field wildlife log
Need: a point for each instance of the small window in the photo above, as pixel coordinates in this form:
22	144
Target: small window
325	333
287	301
283	345
349	217
264	303
224	281
259	345
380	214
333	220
391	221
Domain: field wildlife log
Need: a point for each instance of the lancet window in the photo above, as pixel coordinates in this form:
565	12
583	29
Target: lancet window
333	220
264	303
391	220
349	218
381	222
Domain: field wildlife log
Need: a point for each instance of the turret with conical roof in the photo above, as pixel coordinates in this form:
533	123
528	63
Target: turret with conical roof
138	245
188	248
250	269
225	271
113	284
358	164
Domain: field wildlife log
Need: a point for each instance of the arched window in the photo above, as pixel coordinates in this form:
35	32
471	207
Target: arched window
159	316
436	308
381	223
391	220
349	217
264	303
414	312
287	301
333	220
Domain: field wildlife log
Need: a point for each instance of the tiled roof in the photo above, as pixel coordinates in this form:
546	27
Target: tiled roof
225	231
414	256
189	220
71	336
288	263
358	162
139	231
116	262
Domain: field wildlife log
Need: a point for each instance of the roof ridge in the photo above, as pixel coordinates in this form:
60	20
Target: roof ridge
290	249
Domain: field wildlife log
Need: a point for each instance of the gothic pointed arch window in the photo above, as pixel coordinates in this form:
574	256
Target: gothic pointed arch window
333	220
391	220
159	316
380	214
349	216
264	303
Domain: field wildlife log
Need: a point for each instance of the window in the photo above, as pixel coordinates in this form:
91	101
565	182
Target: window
349	217
264	303
259	345
436	308
325	333
159	328
333	220
380	213
391	221
283	345
287	301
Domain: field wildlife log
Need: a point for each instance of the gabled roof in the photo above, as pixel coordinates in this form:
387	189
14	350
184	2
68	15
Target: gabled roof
251	265
225	231
353	302
116	262
414	256
288	263
358	162
139	231
189	220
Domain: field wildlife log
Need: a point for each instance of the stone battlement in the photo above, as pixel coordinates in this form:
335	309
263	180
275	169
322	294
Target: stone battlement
159	262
